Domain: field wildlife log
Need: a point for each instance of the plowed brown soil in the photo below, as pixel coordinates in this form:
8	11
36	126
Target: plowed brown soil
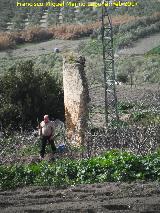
95	198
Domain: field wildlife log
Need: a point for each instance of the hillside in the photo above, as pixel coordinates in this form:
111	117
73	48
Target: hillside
140	47
15	18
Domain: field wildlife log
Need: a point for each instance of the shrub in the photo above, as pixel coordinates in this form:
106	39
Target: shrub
6	41
122	77
145	117
36	34
125	105
145	69
125	41
26	95
74	31
92	47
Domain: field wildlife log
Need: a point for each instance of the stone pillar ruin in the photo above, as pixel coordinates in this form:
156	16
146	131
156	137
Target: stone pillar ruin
76	98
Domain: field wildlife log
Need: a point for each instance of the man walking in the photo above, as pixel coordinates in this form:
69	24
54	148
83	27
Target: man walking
46	132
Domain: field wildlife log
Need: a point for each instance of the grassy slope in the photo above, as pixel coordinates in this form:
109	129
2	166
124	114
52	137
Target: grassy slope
154	51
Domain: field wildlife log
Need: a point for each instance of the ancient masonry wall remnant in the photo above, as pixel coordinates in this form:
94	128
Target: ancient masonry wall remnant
76	98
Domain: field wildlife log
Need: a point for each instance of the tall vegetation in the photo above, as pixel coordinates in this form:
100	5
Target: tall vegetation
26	94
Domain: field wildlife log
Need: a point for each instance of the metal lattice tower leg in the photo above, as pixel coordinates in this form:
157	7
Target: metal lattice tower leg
111	112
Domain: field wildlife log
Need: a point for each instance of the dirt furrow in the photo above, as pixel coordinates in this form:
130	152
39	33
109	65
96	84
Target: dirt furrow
107	197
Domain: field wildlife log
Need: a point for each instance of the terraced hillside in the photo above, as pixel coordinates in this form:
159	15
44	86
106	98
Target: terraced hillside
13	17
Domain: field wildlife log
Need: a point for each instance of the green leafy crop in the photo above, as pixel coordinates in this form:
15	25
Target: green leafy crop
114	165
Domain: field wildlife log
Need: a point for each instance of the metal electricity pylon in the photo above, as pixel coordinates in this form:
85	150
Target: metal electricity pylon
111	112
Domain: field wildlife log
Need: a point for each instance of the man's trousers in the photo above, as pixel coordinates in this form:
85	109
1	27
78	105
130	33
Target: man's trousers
44	140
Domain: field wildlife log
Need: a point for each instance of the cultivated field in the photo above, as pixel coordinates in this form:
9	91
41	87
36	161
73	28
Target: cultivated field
136	197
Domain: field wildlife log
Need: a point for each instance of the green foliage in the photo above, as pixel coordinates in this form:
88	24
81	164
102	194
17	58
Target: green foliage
122	77
145	117
118	124
29	149
92	47
51	63
112	166
154	51
18	22
125	105
143	69
53	16
137	116
138	112
27	93
146	68
132	31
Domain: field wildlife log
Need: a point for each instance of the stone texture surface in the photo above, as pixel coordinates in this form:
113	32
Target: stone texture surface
76	97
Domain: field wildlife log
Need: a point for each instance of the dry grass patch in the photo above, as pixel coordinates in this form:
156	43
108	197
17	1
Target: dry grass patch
119	19
36	34
6	41
74	31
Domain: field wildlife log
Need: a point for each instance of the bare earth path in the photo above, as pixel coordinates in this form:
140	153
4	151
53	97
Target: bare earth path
94	198
142	46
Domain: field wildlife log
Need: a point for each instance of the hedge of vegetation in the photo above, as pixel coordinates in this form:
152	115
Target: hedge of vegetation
112	166
127	33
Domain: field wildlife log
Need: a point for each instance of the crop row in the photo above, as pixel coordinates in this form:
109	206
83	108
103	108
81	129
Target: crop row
112	166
